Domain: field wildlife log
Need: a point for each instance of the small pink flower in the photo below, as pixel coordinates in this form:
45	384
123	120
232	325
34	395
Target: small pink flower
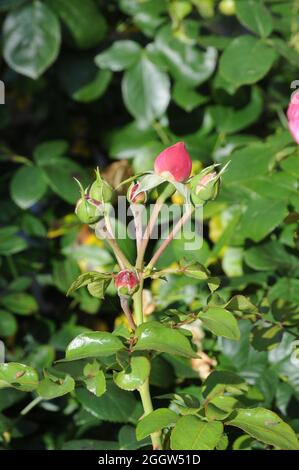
126	282
174	163
293	116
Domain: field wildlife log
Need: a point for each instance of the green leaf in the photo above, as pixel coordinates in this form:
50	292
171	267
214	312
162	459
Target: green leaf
220	322
221	381
230	120
246	60
127	439
50	150
134	375
18	376
8	324
95	380
27	186
33	226
20	303
240	303
185	62
261	217
190	433
10	241
155	336
255	16
186	97
265	426
84	20
220	407
116	405
59	174
255	158
48	389
31	39
266	336
120	56
146	91
287	289
155	421
270	256
98	288
88	278
95	89
94	344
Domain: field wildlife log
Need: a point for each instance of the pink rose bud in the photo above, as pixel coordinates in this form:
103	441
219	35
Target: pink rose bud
293	116
174	163
126	282
140	198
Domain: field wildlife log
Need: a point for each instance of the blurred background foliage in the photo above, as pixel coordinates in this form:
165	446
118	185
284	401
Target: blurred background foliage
111	84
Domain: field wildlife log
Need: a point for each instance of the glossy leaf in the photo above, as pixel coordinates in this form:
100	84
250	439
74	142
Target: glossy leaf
48	389
155	336
31	39
94	344
134	375
19	376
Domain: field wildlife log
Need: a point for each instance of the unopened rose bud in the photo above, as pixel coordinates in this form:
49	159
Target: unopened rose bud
293	116
174	163
205	187
88	212
100	190
140	198
126	282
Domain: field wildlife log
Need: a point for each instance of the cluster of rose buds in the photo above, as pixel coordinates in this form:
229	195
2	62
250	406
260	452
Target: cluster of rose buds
172	166
90	206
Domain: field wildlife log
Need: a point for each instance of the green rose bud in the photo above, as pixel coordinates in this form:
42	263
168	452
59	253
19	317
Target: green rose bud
88	211
100	190
205	186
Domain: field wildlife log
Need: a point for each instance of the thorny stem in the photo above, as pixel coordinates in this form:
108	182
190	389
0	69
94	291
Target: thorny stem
170	237
144	390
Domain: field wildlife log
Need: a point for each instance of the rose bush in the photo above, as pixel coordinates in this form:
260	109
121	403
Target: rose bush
141	90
